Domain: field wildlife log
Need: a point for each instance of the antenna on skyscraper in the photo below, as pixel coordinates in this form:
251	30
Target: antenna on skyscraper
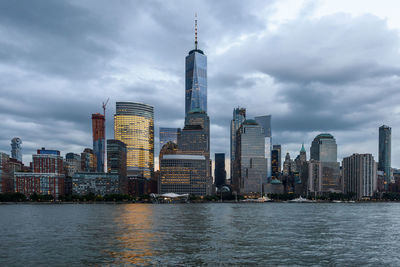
195	31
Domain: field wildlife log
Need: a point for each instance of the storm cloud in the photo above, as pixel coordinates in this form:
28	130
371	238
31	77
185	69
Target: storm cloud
59	60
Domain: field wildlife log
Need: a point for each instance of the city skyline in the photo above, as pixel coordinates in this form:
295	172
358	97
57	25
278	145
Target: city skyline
56	110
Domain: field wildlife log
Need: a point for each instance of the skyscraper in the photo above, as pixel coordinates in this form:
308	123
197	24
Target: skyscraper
250	168
196	79
359	175
385	153
219	170
134	126
16	147
168	135
265	122
323	151
239	116
116	162
98	128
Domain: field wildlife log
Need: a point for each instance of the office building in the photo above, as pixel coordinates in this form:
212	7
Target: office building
360	175
195	79
88	161
98	127
168	135
134	126
16	148
48	161
6	174
385	154
239	116
250	171
265	122
116	162
72	163
219	170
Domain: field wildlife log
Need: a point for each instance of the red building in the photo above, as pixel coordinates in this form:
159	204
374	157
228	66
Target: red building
29	183
6	182
48	161
98	126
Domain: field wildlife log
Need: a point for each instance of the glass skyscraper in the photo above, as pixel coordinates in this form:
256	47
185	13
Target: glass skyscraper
265	122
168	135
196	79
324	148
219	170
239	116
16	147
134	126
385	153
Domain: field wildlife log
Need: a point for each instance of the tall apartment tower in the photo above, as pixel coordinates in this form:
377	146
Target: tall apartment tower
134	126
16	148
98	127
359	175
385	153
196	78
239	116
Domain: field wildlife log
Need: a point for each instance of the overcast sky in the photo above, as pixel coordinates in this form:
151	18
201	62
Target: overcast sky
315	66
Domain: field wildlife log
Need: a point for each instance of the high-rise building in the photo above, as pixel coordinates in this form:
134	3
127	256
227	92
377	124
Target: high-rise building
250	168
324	150
195	136
88	161
265	122
116	157
134	126
98	126
359	175
239	116
219	170
385	153
16	148
72	163
48	161
276	158
168	135
6	181
196	79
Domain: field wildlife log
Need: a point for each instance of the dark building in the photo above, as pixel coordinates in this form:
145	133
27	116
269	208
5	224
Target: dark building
116	162
88	161
98	127
385	153
219	170
168	135
239	116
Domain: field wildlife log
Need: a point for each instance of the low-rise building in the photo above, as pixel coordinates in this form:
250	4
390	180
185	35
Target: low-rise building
98	183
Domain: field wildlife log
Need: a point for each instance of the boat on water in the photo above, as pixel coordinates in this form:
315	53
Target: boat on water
257	200
300	200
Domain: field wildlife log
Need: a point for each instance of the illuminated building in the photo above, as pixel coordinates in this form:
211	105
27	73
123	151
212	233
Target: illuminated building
88	160
239	116
98	128
250	168
385	153
359	175
195	79
98	183
134	126
16	149
29	183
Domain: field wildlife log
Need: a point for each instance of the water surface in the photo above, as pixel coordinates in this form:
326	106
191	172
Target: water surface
219	234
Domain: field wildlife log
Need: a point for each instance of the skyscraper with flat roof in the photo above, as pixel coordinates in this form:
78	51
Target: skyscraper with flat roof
134	126
265	122
98	128
196	78
239	116
385	153
219	170
168	135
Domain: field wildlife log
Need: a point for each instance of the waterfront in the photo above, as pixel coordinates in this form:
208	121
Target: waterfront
212	234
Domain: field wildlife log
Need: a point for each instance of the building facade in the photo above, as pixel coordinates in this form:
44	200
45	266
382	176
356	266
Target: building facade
385	153
88	161
265	122
16	148
134	126
6	174
250	171
98	127
29	183
48	161
97	183
239	116
360	175
116	162
72	163
219	170
168	135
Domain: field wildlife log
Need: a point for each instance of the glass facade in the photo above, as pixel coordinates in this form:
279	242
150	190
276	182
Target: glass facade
324	148
196	81
219	170
168	135
385	153
134	126
250	168
16	147
239	116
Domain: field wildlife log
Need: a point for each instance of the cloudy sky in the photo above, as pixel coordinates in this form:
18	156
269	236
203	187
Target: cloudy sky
315	66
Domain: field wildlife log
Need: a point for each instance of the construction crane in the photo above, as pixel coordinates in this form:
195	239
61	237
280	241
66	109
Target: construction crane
105	140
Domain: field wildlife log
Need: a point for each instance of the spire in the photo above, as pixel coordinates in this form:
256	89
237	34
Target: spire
195	31
302	148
